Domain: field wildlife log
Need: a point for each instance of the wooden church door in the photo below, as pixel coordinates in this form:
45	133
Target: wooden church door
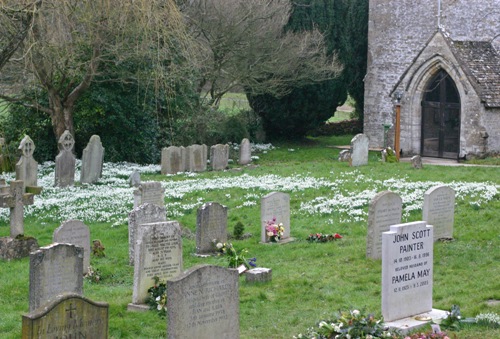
441	118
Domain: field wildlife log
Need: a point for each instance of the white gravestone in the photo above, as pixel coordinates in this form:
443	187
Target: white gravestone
359	150
245	152
92	159
385	210
76	233
439	210
211	224
149	192
275	205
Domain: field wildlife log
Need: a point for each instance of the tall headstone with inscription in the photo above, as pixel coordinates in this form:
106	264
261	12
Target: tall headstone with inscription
275	205
149	192
385	210
158	253
439	210
76	233
27	167
92	160
245	152
211	224
197	156
55	269
68	315
144	214
65	161
359	150
172	160
204	303
219	157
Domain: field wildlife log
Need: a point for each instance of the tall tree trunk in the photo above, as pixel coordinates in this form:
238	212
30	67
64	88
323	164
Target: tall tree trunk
61	115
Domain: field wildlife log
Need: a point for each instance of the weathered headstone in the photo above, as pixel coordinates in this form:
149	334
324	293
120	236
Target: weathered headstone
172	160
92	159
197	158
359	150
16	199
158	253
55	269
345	155
385	210
245	152
439	210
144	214
211	224
68	315
134	180
204	303
416	162
27	167
407	270
76	233
219	157
275	205
65	161
149	192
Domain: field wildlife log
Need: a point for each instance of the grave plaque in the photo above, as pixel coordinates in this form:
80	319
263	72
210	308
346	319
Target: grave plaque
149	192
245	152
92	159
219	157
275	205
211	224
67	316
55	269
144	214
65	161
385	210
439	210
359	150
158	254
407	270
76	233
203	303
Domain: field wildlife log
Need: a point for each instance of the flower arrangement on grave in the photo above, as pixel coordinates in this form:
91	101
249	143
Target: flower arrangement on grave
157	297
93	275
274	231
320	237
234	257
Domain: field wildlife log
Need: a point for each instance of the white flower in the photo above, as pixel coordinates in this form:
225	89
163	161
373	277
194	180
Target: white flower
270	234
158	298
159	307
369	336
355	312
219	245
322	324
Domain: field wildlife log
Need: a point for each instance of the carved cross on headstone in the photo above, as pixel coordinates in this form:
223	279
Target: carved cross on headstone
70	310
16	199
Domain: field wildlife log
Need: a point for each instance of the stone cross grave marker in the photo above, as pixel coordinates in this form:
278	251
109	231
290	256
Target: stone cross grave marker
439	210
245	152
149	192
385	210
407	270
65	161
16	199
27	167
275	205
197	158
68	315
219	157
158	253
144	214
92	159
204	303
55	269
211	224
172	160
76	233
359	150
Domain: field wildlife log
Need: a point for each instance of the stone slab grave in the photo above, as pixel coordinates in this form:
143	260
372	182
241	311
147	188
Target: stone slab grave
385	210
258	275
359	150
245	152
407	276
158	253
76	233
203	302
65	161
92	160
196	158
275	205
149	192
173	160
27	167
68	315
144	214
211	225
439	211
219	157
55	269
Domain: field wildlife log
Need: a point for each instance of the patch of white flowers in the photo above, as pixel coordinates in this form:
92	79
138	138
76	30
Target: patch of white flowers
488	318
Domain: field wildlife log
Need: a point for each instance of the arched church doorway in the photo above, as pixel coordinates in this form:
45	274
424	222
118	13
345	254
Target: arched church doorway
441	118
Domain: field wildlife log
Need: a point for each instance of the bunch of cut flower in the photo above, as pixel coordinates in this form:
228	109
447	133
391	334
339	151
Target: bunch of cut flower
234	257
320	237
157	297
274	231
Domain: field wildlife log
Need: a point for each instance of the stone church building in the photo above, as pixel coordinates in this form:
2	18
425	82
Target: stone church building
440	59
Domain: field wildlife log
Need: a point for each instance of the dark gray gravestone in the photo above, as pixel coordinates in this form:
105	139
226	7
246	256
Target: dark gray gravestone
67	316
204	303
211	224
92	159
65	161
55	269
76	233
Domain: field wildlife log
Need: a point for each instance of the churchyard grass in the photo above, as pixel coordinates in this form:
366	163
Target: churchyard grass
310	281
